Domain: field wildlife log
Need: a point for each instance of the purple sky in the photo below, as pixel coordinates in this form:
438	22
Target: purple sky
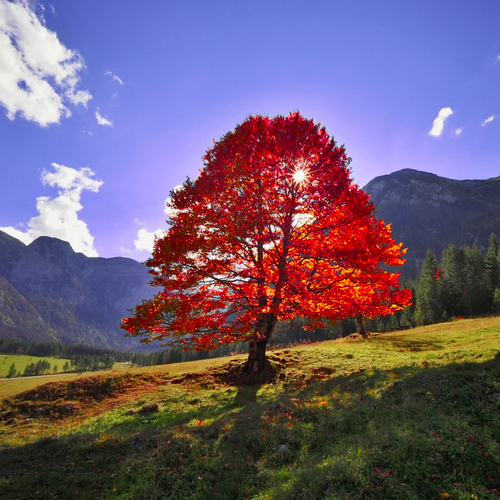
105	106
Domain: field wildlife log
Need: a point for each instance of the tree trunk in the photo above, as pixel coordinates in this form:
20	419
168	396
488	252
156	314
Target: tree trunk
361	327
257	362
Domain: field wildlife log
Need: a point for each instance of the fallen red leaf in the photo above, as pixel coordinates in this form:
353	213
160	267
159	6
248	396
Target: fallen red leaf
379	471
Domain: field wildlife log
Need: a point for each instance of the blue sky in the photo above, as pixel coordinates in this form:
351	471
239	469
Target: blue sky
106	106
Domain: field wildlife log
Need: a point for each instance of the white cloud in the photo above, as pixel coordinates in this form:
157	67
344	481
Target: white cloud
438	123
145	239
116	78
488	120
58	217
101	120
39	76
458	131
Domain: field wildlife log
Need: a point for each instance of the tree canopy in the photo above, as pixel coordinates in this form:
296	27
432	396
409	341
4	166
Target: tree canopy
273	228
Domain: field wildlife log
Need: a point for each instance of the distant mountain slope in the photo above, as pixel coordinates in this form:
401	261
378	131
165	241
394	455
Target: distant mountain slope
49	292
428	211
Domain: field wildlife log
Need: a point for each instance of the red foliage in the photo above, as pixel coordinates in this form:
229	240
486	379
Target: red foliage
272	228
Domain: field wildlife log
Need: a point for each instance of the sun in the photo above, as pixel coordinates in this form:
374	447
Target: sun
299	175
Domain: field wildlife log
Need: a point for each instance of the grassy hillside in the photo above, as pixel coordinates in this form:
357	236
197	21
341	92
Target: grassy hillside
411	415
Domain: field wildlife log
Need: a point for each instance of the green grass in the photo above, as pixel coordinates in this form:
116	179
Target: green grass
22	362
410	415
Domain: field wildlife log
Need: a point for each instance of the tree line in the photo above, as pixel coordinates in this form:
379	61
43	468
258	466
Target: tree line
56	350
41	367
462	283
81	357
80	363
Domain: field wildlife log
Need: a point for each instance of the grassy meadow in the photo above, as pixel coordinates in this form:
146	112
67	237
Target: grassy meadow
22	362
407	415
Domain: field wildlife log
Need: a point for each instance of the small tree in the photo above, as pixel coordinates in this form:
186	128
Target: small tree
492	266
12	371
428	307
452	280
30	370
495	308
476	294
273	228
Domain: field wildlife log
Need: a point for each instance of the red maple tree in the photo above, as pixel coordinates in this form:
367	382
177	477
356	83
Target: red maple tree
272	228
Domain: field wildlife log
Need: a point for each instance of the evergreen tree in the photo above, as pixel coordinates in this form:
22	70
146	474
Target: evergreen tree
495	307
407	319
451	285
12	371
393	323
476	295
428	304
30	370
42	367
492	265
407	316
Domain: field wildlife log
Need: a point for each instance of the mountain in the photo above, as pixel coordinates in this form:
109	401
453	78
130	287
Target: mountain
428	211
48	292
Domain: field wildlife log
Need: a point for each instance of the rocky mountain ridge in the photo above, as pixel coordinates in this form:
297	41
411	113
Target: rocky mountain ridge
429	211
48	292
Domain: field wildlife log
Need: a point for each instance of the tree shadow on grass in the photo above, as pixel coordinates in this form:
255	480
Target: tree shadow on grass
146	455
403	433
432	433
407	344
246	395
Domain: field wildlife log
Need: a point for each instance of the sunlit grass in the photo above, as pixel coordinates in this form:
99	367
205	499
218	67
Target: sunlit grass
412	415
22	361
20	384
